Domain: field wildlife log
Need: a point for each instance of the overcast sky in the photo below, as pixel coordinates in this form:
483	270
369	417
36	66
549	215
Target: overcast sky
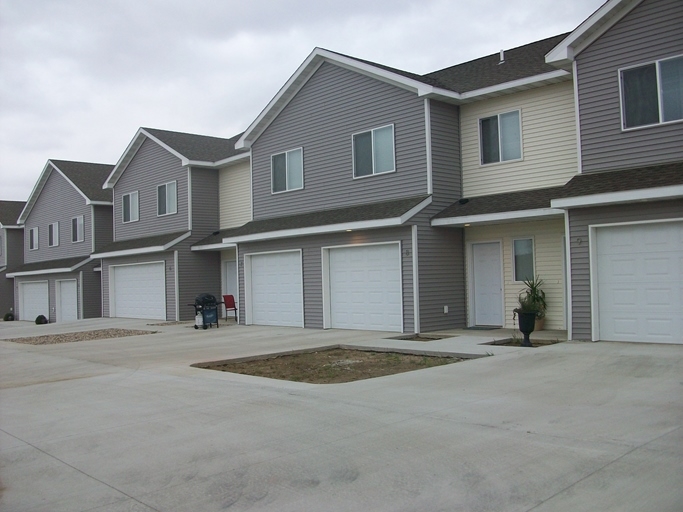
79	77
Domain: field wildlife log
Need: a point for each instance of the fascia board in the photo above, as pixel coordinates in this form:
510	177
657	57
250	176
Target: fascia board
213	247
100	203
70	182
141	250
37	189
184	160
631	196
586	33
233	159
516	84
489	218
125	159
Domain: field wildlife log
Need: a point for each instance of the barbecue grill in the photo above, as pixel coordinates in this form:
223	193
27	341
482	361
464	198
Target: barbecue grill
205	311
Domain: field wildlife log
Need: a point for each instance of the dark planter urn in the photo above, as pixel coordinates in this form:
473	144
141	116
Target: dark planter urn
526	325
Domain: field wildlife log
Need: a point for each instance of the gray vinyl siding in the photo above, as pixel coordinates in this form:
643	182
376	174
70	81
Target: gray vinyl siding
579	221
166	257
103	225
198	272
446	159
14	243
151	166
205	212
332	106
3	247
441	264
312	267
6	294
652	31
58	202
87	290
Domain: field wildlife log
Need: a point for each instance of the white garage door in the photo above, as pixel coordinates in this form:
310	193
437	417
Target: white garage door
67	300
276	295
138	291
365	288
640	282
34	300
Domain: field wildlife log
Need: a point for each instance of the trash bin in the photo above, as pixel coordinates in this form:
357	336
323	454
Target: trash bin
205	310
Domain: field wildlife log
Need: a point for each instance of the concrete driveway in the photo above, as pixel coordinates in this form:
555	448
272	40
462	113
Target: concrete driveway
127	425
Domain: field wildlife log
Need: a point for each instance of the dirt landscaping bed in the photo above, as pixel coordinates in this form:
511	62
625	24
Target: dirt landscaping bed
70	337
517	342
330	365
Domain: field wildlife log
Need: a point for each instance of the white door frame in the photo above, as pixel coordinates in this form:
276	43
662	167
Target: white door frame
471	321
593	265
58	299
325	255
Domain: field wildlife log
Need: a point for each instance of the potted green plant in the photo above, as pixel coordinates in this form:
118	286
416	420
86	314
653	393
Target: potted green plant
532	307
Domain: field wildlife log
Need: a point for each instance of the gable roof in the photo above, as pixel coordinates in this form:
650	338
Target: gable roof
592	28
85	177
191	149
9	212
524	67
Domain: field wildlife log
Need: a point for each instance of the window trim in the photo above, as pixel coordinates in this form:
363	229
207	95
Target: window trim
53	232
80	229
175	182
372	132
514	256
500	149
622	111
287	189
33	240
137	207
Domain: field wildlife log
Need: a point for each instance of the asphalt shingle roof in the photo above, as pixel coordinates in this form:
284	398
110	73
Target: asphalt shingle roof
358	213
88	177
140	243
198	147
498	203
10	211
624	180
50	264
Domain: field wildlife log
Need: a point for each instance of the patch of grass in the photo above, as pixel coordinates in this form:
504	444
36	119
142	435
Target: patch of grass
330	366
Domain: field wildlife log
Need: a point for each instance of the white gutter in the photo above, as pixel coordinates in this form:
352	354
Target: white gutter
49	270
631	196
142	250
497	217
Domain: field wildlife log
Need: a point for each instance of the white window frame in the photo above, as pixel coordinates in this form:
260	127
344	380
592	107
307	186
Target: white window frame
79	232
620	78
53	234
287	172
500	147
514	257
133	199
372	132
33	239
175	202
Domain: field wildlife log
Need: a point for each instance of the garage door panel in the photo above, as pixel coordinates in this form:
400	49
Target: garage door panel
640	282
365	288
139	291
276	289
34	300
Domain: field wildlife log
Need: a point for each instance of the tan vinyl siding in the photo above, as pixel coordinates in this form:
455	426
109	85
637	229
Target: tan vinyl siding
549	147
579	221
652	31
548	236
234	186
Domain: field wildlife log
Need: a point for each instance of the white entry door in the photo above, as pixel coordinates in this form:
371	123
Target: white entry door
640	282
274	287
67	300
365	288
34	300
487	284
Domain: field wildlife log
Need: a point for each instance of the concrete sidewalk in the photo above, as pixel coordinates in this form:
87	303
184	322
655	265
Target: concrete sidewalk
127	424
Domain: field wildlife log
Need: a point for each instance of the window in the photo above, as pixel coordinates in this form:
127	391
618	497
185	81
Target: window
287	171
167	202
77	229
53	234
373	152
523	259
33	239
500	138
130	207
653	93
